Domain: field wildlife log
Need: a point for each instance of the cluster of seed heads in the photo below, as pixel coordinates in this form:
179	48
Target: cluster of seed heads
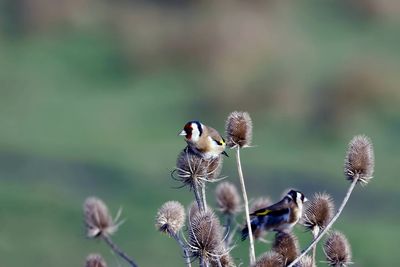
205	239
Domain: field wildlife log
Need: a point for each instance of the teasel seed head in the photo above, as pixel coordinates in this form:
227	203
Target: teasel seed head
95	260
359	161
318	212
269	259
205	236
98	219
257	204
287	245
193	170
170	217
306	261
337	250
228	198
239	129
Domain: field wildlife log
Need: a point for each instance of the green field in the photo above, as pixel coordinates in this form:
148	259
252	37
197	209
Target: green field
84	111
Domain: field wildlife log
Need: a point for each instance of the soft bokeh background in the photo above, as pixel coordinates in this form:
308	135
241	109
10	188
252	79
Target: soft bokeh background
93	93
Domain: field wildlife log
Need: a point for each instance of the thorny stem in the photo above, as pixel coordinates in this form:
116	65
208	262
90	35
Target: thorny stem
228	223
203	262
203	195
197	196
246	206
117	250
315	233
183	247
321	234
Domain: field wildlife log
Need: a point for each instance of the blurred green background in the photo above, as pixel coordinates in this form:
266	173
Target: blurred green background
93	94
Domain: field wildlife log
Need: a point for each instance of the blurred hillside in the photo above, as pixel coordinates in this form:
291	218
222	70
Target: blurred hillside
93	94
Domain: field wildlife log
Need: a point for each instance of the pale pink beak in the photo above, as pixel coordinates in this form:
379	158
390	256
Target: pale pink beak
183	133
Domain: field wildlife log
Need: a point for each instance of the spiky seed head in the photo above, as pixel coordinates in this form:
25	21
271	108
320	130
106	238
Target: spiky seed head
228	199
359	161
225	259
97	218
192	169
257	204
205	235
337	250
214	167
287	245
170	217
95	260
269	259
318	211
306	261
239	129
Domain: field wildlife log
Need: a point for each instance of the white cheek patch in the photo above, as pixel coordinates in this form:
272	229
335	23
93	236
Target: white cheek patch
298	200
195	133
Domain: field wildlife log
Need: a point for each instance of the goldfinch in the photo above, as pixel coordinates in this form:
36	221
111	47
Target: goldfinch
203	140
281	216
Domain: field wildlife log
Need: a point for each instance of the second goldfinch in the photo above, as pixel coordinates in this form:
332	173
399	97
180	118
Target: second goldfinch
281	216
203	140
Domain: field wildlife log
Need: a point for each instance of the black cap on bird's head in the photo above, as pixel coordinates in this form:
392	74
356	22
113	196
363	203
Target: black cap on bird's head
192	129
296	196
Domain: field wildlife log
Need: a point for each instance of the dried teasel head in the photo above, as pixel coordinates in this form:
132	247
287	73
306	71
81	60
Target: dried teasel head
337	250
257	204
193	170
318	212
95	260
205	236
98	219
225	260
170	217
306	261
269	259
287	245
359	161
228	198
239	129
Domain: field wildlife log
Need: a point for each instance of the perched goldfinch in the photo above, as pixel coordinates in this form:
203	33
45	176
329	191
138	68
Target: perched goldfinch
281	216
203	140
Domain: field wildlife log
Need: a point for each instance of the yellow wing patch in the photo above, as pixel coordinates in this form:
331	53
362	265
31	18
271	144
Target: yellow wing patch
262	213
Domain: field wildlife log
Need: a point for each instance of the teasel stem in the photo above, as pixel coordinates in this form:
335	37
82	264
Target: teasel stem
321	234
203	262
117	250
198	197
183	247
228	223
246	207
315	233
203	196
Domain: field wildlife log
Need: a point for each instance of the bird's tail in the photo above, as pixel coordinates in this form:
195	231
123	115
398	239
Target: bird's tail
245	230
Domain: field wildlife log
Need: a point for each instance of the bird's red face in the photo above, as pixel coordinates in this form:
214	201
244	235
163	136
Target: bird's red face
192	130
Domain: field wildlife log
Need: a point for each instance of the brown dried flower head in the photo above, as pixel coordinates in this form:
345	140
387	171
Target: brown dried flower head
239	129
95	260
287	245
359	161
257	204
306	261
98	219
227	261
205	236
192	170
318	212
337	250
228	199
170	217
269	259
